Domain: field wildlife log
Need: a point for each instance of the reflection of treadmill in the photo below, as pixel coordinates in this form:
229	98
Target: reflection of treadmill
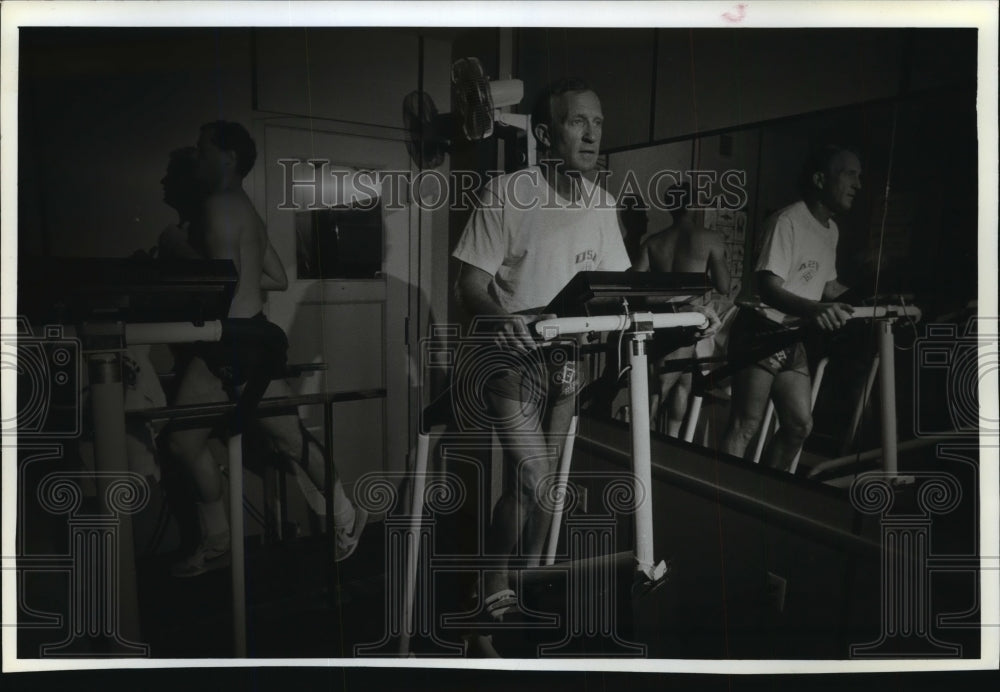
602	293
74	290
114	303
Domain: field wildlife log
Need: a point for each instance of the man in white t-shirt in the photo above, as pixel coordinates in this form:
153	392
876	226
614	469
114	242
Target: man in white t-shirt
533	231
797	280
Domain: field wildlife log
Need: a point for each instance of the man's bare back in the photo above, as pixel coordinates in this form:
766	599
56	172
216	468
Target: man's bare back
685	247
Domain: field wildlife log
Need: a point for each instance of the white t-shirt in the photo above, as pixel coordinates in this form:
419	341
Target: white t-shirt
801	251
532	241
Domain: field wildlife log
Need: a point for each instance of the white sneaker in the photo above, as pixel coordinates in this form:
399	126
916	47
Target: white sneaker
212	553
347	537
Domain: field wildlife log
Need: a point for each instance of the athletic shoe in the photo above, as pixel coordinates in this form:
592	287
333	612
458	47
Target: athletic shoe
211	554
346	538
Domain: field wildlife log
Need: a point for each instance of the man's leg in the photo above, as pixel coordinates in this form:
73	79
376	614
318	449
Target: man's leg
200	386
792	402
291	442
678	404
538	519
751	389
675	388
526	462
661	394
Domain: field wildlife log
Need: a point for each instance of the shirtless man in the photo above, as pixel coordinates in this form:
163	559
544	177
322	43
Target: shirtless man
228	227
682	247
182	192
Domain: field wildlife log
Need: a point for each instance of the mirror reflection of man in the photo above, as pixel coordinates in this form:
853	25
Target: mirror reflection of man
687	247
797	279
225	225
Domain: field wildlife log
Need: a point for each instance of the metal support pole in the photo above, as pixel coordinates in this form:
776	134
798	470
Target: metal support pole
238	575
694	412
328	482
562	479
413	540
860	408
641	460
110	458
328	470
765	428
887	395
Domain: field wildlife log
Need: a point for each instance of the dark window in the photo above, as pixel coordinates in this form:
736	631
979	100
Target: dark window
339	243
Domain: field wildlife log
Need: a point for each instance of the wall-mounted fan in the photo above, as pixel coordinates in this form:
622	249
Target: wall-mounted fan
478	106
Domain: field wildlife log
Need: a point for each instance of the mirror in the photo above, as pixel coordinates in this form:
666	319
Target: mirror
920	243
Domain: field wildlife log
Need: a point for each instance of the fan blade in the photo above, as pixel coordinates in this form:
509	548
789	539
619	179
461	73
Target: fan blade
472	97
425	144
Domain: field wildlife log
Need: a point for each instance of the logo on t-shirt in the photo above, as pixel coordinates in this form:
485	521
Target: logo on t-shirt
585	256
808	270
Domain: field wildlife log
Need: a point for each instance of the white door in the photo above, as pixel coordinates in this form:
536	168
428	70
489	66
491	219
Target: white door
356	325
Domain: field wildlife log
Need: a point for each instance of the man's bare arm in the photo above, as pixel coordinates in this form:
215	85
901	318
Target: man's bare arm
718	267
472	288
828	315
273	276
642	261
472	291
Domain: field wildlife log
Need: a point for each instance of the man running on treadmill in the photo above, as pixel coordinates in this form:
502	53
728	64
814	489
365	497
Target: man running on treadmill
797	280
534	230
682	247
228	227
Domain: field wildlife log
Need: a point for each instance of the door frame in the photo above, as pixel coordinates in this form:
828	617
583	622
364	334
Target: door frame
418	265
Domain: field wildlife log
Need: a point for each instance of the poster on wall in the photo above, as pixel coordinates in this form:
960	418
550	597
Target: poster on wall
732	225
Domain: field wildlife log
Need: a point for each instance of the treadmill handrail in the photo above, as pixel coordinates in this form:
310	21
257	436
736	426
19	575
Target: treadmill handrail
868	312
172	332
553	328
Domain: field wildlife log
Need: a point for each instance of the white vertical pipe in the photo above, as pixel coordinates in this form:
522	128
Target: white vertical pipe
694	411
236	543
641	459
764	429
111	458
887	392
562	479
859	409
413	540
